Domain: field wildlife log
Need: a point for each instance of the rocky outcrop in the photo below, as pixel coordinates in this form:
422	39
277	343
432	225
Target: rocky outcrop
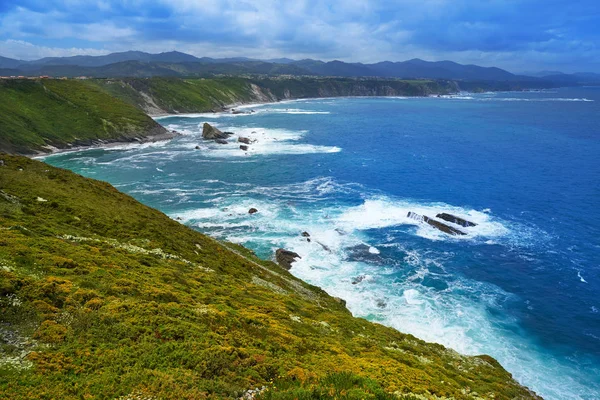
285	258
209	132
244	147
244	140
436	224
455	220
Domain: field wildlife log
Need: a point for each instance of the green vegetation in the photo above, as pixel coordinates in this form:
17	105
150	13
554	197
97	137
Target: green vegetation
35	114
102	297
173	95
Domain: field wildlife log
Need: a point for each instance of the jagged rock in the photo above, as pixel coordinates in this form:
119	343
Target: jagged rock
358	279
436	224
221	141
456	220
244	147
305	234
209	132
285	258
244	140
252	210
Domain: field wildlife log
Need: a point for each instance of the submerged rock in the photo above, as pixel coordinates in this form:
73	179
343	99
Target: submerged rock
221	141
209	132
455	220
285	258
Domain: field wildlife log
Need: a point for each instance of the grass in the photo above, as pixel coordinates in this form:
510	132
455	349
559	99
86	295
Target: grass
38	113
102	297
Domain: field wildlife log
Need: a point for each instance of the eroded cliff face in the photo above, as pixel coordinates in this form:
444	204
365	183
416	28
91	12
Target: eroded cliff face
166	96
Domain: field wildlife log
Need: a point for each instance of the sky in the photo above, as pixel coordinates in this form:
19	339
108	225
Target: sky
518	35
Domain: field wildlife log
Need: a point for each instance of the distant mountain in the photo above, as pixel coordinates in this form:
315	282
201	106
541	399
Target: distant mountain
99	61
414	68
9	62
175	63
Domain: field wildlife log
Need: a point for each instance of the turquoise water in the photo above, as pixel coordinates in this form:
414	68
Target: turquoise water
522	286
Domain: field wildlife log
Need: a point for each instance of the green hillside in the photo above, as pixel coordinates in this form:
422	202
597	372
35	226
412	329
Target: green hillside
102	297
35	114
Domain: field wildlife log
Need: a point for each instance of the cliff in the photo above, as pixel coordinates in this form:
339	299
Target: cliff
46	114
38	115
103	297
172	95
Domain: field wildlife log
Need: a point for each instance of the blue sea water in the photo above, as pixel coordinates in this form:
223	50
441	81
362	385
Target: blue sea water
522	286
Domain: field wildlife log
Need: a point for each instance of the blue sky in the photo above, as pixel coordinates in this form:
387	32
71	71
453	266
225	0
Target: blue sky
519	35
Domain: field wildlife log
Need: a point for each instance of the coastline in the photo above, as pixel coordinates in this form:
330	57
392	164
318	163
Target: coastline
107	144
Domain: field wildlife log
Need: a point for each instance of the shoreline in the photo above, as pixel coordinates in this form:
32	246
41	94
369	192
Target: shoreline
104	144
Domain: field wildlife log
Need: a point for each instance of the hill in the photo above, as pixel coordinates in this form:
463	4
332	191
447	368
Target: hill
141	64
102	297
38	114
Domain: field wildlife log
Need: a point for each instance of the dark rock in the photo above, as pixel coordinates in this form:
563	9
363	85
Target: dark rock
209	132
244	140
197	147
381	303
235	112
455	220
358	279
244	147
285	258
305	234
252	210
229	133
221	141
361	252
436	224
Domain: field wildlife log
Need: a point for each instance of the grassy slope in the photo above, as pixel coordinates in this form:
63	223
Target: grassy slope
175	95
102	297
34	114
179	95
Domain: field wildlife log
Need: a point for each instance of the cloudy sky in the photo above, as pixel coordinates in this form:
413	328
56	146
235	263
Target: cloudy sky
519	35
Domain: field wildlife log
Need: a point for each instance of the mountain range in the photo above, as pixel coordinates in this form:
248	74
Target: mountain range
174	63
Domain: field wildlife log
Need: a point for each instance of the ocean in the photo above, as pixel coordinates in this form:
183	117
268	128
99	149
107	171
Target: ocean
522	286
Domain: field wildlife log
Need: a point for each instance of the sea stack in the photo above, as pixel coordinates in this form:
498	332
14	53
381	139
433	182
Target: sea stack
209	132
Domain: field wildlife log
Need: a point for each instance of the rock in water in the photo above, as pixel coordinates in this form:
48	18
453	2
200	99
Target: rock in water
209	132
244	140
252	210
244	147
305	234
436	224
221	141
455	220
285	258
